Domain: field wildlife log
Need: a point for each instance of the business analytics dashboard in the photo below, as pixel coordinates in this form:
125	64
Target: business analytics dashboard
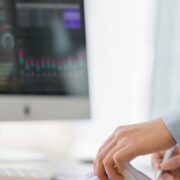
43	47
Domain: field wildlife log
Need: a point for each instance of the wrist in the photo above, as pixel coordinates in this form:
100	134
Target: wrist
166	139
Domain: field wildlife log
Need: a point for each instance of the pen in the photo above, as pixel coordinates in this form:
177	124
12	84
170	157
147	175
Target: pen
167	155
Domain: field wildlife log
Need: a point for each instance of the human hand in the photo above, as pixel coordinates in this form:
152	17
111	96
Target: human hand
128	142
171	168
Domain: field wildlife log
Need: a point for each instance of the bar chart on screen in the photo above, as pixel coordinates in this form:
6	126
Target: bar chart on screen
46	65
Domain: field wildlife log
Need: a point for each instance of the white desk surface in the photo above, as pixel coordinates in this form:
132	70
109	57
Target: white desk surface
49	168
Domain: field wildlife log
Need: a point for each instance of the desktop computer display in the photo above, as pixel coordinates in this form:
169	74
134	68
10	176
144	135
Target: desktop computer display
43	60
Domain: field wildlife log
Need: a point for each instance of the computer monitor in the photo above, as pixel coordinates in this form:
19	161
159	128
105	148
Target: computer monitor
43	60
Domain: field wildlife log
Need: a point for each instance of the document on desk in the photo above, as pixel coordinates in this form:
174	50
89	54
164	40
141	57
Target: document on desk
130	174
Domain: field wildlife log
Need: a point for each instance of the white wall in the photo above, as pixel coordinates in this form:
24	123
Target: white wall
120	36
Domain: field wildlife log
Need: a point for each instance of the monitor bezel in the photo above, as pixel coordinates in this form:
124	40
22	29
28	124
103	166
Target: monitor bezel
13	107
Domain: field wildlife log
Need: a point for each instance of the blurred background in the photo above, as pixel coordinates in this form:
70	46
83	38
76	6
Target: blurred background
133	58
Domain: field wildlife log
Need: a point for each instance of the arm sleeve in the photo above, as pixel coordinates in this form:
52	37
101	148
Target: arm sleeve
172	122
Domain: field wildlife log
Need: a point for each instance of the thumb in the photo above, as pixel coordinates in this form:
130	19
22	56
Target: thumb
171	164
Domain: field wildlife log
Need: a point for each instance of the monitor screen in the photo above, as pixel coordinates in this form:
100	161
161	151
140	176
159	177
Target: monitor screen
43	60
43	48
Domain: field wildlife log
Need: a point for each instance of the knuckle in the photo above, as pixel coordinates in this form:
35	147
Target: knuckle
106	163
99	152
113	142
99	159
124	141
118	129
124	132
116	137
116	160
121	133
115	157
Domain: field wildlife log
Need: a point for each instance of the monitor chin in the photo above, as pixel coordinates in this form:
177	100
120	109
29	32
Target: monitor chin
44	108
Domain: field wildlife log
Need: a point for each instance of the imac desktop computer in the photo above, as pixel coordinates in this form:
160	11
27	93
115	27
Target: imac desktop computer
43	60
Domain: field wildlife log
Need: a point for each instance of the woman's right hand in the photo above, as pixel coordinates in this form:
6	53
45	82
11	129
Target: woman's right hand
171	168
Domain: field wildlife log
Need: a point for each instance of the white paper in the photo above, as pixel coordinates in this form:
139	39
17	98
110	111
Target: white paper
130	173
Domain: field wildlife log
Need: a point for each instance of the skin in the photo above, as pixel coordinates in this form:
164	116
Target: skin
171	167
128	142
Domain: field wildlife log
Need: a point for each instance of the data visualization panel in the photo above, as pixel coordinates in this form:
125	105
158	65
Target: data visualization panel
7	45
43	48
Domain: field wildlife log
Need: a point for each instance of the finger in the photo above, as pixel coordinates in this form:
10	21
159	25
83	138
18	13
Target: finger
99	167
100	171
166	176
100	149
171	164
123	155
176	178
105	143
178	149
156	160
109	165
176	173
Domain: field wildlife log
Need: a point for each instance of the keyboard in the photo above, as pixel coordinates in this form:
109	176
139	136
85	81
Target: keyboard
17	174
67	170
